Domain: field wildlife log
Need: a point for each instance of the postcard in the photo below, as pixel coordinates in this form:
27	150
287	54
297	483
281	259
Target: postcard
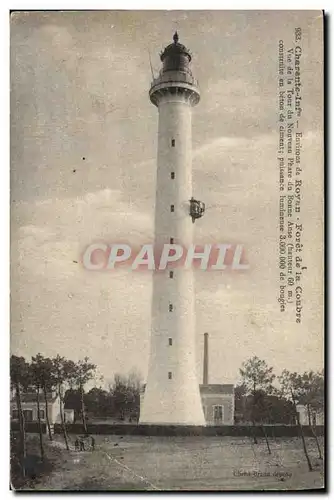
167	250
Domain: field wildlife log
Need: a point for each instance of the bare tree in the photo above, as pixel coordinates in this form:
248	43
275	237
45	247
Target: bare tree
257	377
36	379
81	373
310	393
18	377
290	383
47	383
60	373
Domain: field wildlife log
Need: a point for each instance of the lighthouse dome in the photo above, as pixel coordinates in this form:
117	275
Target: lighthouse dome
175	76
175	57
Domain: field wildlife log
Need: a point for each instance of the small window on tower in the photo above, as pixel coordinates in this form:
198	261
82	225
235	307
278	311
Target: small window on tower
171	274
171	241
170	307
170	375
170	341
172	208
172	175
173	143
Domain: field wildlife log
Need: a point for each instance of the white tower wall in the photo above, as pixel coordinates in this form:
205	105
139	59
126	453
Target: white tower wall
172	390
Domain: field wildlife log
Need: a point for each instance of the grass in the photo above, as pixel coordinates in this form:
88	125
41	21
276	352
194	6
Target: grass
35	468
181	463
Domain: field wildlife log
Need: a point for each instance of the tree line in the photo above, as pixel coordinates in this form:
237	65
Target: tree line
261	392
121	401
41	376
261	398
68	379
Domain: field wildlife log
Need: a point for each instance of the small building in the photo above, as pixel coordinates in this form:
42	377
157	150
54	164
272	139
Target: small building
29	407
218	403
217	399
317	418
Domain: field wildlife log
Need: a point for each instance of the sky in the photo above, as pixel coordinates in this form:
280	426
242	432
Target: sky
83	169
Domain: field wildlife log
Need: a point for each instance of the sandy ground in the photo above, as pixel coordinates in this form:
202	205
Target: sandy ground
184	463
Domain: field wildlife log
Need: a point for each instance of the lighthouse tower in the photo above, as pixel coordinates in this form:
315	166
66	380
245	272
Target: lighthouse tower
172	390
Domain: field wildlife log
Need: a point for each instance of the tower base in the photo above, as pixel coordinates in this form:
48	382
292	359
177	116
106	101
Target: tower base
162	405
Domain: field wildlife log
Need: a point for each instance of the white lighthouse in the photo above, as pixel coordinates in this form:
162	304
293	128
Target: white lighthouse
172	390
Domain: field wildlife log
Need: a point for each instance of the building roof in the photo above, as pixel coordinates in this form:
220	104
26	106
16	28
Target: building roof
216	389
175	48
30	397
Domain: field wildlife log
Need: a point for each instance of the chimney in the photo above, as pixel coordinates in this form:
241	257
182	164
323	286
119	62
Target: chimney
206	360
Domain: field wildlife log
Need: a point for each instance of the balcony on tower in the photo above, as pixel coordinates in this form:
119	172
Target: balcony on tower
197	209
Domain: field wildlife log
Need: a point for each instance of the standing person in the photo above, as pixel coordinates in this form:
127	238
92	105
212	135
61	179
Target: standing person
93	443
82	445
76	444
